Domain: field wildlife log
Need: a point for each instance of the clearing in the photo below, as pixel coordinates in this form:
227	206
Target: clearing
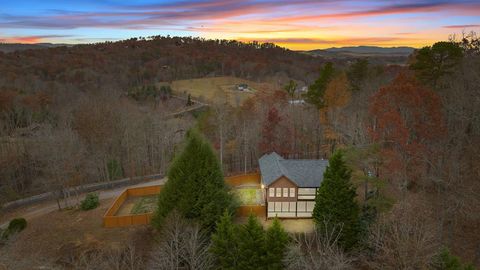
219	89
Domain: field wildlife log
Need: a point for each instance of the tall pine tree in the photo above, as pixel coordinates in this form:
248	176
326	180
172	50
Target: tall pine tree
225	243
251	245
276	241
316	91
195	185
335	203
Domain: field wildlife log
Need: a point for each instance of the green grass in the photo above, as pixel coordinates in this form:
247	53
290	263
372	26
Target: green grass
144	205
247	196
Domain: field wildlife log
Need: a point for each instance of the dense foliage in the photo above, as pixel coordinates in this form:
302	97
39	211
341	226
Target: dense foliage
249	246
316	91
195	186
335	204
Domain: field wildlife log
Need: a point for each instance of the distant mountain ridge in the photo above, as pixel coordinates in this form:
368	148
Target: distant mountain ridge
11	47
367	50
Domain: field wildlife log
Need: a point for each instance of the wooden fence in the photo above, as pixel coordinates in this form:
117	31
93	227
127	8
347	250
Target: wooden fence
243	179
110	220
258	210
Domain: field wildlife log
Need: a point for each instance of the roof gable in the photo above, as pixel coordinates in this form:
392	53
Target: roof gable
303	172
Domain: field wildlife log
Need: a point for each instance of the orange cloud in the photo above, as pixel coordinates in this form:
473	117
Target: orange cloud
29	39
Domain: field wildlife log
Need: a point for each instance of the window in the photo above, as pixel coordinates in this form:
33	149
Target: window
293	206
301	206
292	192
285	206
307	191
285	192
271	192
278	207
279	192
271	207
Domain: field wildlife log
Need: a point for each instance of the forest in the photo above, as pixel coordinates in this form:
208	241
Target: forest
407	135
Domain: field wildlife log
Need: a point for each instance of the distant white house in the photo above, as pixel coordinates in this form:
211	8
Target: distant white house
242	87
297	102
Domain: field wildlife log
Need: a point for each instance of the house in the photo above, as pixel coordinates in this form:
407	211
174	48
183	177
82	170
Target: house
297	102
242	87
290	185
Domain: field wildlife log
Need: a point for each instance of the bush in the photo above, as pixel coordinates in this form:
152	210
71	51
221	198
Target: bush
16	225
90	202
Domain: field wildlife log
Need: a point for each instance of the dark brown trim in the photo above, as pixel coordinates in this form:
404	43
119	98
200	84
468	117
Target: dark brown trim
295	184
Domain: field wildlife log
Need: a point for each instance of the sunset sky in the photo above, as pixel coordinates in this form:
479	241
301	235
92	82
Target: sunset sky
299	25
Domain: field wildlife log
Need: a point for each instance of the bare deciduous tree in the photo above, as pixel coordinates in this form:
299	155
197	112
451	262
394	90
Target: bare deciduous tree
317	251
406	239
181	245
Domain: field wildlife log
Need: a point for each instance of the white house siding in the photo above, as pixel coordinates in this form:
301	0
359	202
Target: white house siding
290	209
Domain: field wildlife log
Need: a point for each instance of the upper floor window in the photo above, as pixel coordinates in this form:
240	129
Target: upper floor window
271	192
278	192
292	192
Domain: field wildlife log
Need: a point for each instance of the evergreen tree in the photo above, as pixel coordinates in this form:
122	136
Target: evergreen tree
335	203
195	185
251	245
225	243
276	240
432	63
357	73
316	91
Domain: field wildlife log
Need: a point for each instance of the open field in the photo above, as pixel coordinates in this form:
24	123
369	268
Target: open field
218	89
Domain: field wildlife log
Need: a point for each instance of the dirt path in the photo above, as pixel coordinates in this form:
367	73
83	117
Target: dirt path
41	209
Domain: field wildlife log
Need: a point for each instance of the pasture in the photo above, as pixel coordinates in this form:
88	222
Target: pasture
219	90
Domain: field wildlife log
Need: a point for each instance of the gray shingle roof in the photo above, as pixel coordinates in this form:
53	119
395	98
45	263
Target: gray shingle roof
304	172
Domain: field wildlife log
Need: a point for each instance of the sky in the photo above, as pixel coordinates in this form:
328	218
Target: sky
295	24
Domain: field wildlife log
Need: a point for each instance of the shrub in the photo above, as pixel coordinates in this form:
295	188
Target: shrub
16	225
90	202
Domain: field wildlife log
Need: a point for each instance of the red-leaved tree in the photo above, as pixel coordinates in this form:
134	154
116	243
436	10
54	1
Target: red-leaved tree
275	135
408	123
